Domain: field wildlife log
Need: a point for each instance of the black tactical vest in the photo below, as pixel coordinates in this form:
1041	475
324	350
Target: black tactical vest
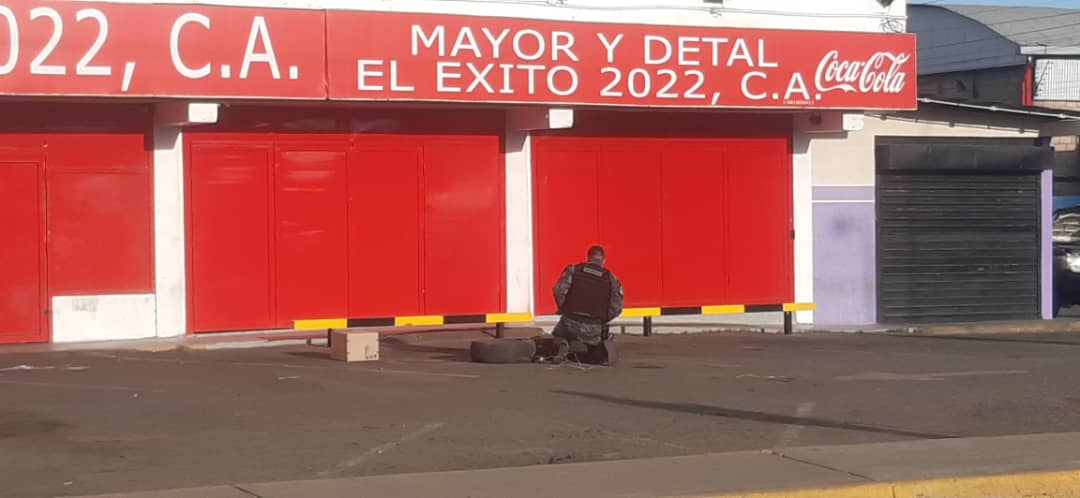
589	297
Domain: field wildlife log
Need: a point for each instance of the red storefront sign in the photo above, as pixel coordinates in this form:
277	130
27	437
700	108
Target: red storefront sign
392	56
113	49
76	48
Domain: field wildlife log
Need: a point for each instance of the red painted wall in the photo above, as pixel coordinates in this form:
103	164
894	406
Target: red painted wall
357	215
693	209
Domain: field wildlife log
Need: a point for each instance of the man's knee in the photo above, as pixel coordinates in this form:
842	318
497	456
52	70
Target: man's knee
560	330
578	347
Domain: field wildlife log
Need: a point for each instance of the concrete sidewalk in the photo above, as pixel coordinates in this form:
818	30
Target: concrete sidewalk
1031	465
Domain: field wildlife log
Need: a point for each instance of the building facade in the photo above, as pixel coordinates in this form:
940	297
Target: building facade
172	169
959	232
944	214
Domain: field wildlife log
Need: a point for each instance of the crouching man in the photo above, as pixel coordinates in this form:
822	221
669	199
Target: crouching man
589	296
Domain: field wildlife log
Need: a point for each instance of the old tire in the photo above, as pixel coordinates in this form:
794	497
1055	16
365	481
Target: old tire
545	346
502	351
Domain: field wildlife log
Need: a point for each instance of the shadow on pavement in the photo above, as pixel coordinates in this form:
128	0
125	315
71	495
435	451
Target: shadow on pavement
433	352
754	416
318	355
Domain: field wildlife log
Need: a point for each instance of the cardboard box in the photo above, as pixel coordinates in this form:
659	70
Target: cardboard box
354	345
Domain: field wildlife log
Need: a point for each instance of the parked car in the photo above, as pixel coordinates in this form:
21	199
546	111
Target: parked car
1066	258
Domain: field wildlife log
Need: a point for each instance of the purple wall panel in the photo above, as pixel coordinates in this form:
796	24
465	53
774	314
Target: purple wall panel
845	274
845	193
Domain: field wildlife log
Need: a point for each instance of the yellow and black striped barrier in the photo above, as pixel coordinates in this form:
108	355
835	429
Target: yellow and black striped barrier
728	309
500	319
413	321
647	314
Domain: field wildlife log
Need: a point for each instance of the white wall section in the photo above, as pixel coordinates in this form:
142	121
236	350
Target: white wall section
803	207
519	222
103	318
169	256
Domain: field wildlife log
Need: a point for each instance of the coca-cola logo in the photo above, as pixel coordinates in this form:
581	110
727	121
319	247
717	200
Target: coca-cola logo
881	73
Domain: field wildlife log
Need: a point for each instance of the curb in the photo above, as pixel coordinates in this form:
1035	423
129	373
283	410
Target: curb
157	348
269	339
1057	484
259	343
1041	327
988	328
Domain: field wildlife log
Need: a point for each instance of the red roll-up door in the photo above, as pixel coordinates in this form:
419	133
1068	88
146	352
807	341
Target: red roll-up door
693	209
76	198
22	258
334	224
384	229
99	214
464	227
229	258
310	185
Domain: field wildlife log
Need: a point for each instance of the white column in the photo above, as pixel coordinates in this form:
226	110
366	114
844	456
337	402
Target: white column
803	215
519	222
169	255
519	198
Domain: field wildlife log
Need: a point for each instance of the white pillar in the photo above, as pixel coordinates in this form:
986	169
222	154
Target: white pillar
519	222
519	198
169	253
170	257
803	215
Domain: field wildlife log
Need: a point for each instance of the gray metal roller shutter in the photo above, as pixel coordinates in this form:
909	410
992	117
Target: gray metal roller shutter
958	246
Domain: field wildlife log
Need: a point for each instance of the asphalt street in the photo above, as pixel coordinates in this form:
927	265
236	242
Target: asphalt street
76	423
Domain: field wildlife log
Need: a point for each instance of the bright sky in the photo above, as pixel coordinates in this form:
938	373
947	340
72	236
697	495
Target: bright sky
1070	4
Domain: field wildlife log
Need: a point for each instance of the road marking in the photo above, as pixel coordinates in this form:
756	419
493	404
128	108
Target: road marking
359	370
382	448
81	386
179	361
924	377
791	433
776	378
17	368
69	367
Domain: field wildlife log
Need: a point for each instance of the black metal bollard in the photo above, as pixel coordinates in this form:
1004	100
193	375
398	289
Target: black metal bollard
647	326
788	323
500	330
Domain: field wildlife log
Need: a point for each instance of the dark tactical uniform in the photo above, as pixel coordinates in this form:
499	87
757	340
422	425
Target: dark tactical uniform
589	296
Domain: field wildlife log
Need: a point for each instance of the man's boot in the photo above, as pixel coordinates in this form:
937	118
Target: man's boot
560	355
611	353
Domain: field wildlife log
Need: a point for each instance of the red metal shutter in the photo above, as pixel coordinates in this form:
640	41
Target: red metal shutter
692	212
229	236
22	266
